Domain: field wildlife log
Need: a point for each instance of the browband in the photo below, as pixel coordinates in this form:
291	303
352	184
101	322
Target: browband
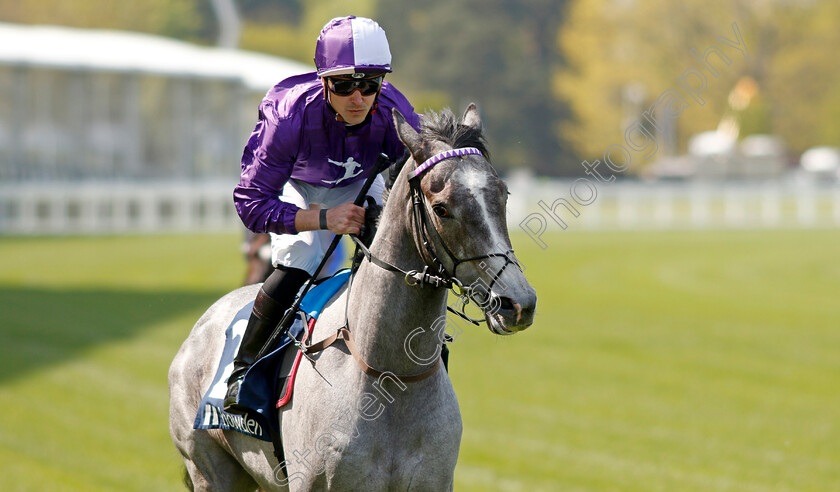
442	157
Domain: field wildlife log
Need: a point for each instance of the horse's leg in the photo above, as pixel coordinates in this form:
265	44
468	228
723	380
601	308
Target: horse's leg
220	477
210	466
257	457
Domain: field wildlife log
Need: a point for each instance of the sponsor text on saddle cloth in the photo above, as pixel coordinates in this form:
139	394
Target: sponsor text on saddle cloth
258	389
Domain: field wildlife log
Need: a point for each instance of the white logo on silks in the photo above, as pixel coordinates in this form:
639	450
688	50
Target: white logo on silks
349	166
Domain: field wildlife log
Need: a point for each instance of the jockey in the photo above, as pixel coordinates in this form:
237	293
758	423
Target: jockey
318	136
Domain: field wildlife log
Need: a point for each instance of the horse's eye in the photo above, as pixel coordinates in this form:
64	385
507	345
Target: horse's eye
440	211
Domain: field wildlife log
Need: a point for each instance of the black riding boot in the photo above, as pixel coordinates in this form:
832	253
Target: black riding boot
273	299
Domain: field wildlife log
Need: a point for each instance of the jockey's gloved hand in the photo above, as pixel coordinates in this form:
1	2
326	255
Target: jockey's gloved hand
372	212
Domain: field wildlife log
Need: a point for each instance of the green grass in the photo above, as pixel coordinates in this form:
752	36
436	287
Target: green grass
89	327
662	361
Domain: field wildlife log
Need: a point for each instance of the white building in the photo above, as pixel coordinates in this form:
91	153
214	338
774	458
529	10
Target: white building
100	108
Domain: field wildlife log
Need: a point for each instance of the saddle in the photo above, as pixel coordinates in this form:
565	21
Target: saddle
269	383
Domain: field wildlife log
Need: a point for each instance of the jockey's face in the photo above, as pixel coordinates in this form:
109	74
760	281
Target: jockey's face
352	109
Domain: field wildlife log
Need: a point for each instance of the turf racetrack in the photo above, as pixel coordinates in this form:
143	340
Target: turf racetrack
670	361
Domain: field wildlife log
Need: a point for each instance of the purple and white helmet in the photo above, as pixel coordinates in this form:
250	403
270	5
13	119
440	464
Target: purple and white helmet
352	45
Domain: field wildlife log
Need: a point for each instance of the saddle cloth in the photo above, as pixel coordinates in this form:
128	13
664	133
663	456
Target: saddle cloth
260	390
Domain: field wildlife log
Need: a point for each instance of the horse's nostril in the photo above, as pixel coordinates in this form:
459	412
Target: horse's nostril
520	313
509	308
507	304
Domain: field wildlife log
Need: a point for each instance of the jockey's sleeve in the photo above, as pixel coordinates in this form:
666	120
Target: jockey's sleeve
267	163
392	98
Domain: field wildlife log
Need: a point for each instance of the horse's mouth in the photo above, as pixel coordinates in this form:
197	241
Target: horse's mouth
496	324
508	317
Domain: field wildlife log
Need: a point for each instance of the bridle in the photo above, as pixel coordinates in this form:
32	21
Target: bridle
434	274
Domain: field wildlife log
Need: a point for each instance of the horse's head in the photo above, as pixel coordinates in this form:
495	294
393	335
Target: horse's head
458	217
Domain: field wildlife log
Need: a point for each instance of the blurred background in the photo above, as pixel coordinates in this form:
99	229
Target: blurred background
130	102
687	332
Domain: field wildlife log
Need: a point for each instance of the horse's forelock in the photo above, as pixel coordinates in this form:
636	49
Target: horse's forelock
445	127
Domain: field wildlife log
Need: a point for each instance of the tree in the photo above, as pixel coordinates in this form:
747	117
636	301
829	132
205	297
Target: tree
183	19
498	53
502	54
623	54
288	28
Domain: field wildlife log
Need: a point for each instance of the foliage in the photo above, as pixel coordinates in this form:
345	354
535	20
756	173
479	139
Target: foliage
803	73
618	49
293	36
555	80
183	19
497	53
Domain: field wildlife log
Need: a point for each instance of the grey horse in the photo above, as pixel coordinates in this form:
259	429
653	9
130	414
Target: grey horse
398	426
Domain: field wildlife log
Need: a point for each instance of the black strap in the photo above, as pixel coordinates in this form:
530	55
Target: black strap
420	277
322	219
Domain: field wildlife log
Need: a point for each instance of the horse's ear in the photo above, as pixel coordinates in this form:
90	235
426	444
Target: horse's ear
408	136
471	117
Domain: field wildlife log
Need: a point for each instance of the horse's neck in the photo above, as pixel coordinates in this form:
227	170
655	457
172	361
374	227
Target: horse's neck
385	310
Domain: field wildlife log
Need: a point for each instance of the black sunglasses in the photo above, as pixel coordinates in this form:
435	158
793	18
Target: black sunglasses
345	87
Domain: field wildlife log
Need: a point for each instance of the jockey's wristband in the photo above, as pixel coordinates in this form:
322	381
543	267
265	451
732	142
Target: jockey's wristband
322	218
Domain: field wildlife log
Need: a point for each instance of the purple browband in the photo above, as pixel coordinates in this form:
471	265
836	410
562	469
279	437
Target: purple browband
442	157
